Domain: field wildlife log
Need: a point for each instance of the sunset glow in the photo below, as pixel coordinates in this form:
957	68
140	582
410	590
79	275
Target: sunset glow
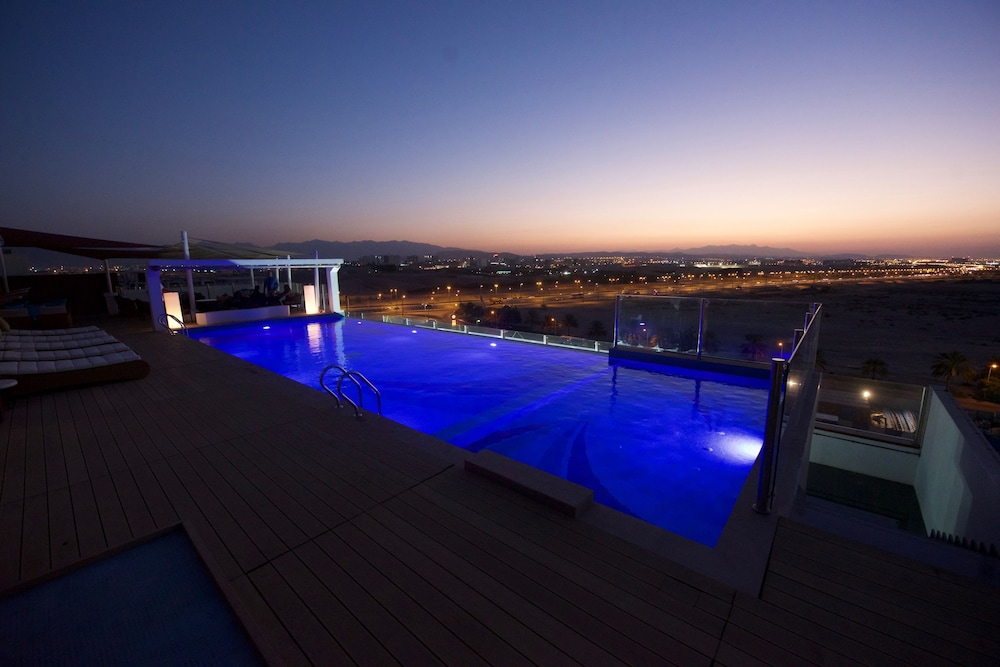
524	127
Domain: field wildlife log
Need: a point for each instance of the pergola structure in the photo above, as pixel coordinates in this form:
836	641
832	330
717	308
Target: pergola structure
155	287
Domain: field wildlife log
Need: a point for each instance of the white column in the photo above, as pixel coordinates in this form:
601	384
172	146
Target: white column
333	287
155	291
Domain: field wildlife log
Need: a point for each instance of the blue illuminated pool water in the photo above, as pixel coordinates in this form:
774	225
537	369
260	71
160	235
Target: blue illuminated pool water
673	451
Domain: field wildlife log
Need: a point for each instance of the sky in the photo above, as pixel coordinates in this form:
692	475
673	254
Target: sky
529	127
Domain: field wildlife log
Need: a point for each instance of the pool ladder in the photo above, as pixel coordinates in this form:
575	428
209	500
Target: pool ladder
358	379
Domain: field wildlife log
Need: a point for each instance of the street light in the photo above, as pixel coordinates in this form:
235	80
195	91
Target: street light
990	373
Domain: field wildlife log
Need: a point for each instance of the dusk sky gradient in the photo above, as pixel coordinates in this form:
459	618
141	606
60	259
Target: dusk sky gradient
507	126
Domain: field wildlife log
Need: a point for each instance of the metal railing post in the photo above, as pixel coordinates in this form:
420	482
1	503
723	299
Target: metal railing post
701	325
772	436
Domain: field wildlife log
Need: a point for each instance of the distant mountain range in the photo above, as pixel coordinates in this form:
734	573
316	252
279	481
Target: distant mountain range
353	251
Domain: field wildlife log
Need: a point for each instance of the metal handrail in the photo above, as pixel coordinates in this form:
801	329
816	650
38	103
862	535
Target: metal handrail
353	376
164	322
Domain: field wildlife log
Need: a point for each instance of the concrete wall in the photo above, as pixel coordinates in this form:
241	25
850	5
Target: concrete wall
958	477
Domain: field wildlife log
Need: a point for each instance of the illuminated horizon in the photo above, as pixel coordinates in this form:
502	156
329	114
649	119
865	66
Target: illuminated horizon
852	127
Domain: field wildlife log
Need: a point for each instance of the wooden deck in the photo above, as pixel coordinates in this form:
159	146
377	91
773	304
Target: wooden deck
363	542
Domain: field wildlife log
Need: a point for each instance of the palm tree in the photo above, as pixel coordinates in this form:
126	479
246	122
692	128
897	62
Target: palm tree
597	331
569	322
874	368
952	365
754	349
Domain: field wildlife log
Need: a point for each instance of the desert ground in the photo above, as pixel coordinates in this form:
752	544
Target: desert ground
905	323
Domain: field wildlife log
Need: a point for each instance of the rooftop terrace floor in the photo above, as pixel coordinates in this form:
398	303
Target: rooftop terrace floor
343	541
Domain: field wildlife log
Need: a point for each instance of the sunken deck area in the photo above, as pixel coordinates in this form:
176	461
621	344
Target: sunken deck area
342	541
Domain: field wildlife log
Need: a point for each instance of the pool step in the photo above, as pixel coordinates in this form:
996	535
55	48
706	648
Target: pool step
565	496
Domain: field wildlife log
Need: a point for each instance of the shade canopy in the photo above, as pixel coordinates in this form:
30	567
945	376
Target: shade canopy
104	249
74	245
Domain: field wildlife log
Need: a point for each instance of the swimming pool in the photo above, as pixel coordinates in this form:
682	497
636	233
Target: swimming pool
673	451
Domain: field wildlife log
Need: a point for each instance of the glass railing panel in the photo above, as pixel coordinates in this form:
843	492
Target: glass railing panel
666	324
528	336
873	407
750	330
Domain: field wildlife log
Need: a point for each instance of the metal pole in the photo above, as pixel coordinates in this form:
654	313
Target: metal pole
701	326
618	300
190	280
107	275
3	264
319	301
772	436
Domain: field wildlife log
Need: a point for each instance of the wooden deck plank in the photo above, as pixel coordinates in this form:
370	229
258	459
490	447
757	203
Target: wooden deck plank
438	637
52	445
340	486
269	470
795	612
812	642
99	424
847	562
309	634
35	537
189	512
262	504
274	633
90	447
576	630
357	473
113	519
763	650
677	581
730	655
596	552
15	458
400	465
882	582
227	527
901	605
476	624
516	624
89	530
140	521
936	648
34	452
548	590
339	621
160	509
321	498
537	540
280	489
63	545
143	422
255	526
76	465
11	526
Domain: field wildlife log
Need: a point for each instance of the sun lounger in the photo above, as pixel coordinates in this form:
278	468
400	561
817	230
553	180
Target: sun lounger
47	360
55	339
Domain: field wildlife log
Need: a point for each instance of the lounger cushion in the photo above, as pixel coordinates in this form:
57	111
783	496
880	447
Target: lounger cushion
47	360
8	353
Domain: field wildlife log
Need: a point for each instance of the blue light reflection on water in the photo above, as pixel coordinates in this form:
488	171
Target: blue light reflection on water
673	451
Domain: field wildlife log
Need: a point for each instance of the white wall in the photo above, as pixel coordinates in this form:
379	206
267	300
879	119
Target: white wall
895	463
958	478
